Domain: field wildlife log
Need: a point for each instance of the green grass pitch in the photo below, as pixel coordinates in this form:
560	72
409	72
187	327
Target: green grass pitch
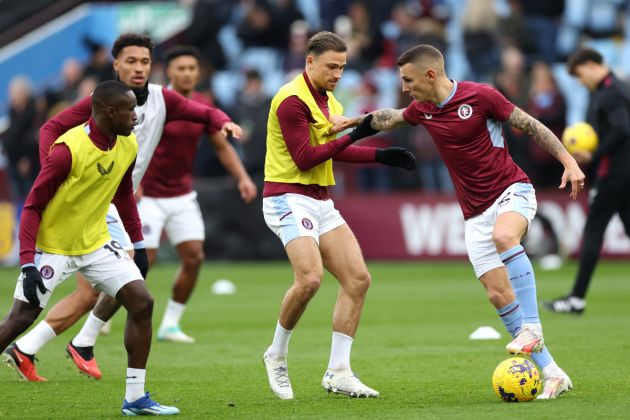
412	346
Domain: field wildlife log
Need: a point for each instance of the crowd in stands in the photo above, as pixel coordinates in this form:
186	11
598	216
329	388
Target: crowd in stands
251	47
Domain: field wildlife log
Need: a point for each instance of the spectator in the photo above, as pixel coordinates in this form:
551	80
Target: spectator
542	21
547	105
298	38
19	141
209	16
251	112
480	25
99	65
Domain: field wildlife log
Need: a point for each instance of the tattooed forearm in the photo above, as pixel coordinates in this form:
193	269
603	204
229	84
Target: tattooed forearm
386	119
541	134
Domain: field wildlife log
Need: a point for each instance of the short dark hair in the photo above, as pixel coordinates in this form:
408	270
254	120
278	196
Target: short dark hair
582	56
132	40
419	51
107	92
325	41
180	51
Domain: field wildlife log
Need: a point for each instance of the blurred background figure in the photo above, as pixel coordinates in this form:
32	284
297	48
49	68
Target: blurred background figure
251	113
19	140
546	104
480	25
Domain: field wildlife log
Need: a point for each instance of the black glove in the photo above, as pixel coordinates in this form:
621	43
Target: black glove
31	281
396	156
364	129
142	261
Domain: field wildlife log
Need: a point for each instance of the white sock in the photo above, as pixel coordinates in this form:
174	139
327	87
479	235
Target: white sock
135	384
340	351
552	370
36	338
89	332
280	344
172	314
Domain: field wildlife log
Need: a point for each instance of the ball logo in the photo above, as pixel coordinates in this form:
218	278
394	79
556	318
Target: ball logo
464	111
307	223
146	229
47	272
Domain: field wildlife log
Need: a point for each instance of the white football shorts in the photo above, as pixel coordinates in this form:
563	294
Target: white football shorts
107	269
482	252
179	216
293	215
116	228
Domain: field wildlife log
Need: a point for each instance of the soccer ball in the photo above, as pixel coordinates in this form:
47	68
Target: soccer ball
516	379
580	137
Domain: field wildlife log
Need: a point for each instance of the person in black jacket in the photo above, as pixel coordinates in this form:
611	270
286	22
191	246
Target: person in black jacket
609	114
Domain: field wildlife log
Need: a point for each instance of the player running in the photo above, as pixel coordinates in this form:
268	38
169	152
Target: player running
496	196
298	208
168	200
156	106
63	229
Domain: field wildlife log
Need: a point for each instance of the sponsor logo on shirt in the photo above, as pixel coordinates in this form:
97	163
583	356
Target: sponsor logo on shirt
428	116
464	111
102	170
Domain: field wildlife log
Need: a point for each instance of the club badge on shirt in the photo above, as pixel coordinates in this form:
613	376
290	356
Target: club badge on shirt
464	111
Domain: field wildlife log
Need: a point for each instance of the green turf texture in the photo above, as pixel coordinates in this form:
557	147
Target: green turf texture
412	346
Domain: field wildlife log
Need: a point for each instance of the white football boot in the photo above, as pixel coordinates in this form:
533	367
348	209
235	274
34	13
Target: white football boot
529	340
555	385
174	334
345	382
278	374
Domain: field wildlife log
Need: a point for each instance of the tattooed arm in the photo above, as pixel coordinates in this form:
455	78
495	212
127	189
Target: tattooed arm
550	143
383	119
387	119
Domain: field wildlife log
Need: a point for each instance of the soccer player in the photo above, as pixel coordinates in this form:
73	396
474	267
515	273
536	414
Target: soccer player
609	114
297	207
168	200
63	229
496	197
155	107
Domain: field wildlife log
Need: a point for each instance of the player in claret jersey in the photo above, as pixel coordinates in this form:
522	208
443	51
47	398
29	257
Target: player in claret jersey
156	106
168	201
496	196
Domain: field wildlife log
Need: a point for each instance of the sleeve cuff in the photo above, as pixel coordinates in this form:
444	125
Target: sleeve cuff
139	245
28	265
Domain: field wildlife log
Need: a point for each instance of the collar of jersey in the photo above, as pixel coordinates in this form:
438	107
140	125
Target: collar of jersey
450	95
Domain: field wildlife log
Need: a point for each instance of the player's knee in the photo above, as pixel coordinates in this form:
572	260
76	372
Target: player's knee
504	240
309	283
143	305
193	259
360	283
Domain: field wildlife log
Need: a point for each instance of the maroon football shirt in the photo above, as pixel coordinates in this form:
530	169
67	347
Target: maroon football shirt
466	128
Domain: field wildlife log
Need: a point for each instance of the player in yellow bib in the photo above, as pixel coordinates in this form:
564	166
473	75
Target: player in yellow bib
301	145
63	230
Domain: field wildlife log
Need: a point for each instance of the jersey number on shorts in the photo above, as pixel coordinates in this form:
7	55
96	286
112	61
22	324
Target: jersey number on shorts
114	247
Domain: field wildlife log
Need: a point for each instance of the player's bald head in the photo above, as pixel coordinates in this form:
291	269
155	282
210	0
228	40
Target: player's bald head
109	94
423	57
